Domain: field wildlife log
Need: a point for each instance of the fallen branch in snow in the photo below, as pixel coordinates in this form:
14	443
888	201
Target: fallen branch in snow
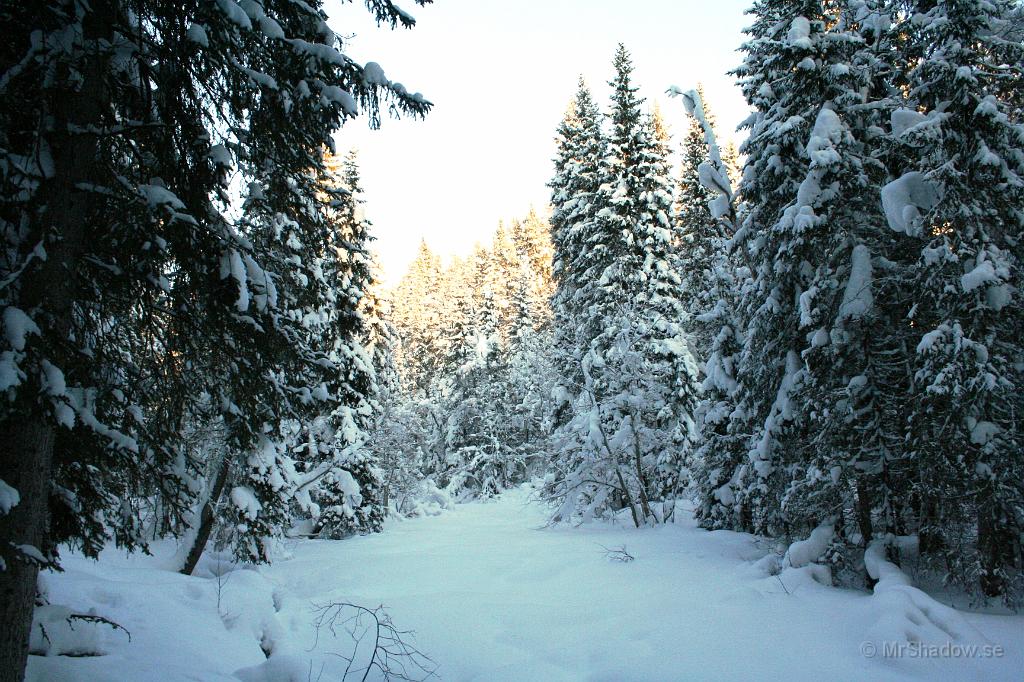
620	554
392	656
61	638
91	618
784	588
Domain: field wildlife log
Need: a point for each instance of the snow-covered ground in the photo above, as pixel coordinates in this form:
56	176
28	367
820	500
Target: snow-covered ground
491	595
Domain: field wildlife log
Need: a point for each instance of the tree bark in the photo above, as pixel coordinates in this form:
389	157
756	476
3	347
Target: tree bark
645	505
864	510
995	548
629	498
25	466
60	216
930	540
207	519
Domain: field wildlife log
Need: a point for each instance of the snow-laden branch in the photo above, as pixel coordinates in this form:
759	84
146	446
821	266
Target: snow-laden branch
906	613
713	174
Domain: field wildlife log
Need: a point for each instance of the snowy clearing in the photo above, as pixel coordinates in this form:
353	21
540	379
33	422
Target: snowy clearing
492	595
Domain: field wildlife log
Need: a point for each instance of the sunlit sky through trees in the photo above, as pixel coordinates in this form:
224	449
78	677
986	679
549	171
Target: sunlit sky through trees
501	75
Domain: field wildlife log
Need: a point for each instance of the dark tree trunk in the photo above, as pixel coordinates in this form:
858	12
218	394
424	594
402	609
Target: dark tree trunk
629	498
864	510
207	519
864	524
746	519
995	549
645	505
48	290
25	465
929	536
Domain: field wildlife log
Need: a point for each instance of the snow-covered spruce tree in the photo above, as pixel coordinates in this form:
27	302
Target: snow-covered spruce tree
854	466
797	62
634	417
710	258
581	150
345	457
502	281
475	401
462	284
129	297
389	440
853	377
417	316
529	377
699	234
720	467
532	237
298	244
960	200
427	308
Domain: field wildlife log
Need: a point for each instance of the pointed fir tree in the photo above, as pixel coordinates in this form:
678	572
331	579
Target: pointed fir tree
387	440
418	320
348	495
634	423
574	187
715	277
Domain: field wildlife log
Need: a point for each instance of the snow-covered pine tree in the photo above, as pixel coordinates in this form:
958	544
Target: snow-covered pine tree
474	400
714	277
348	495
581	150
501	279
853	467
797	61
960	200
528	378
118	212
700	237
418	320
532	237
389	440
634	420
720	461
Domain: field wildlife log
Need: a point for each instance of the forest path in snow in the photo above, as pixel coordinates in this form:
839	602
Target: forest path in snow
494	595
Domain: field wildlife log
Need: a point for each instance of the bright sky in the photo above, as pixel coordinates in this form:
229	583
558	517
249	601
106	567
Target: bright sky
501	74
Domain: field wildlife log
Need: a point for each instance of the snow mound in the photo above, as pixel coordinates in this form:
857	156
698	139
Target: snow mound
907	614
60	631
799	33
804	552
373	74
157	195
905	119
426	499
984	272
281	668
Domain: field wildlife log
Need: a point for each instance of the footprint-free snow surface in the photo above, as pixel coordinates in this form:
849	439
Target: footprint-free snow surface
493	595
